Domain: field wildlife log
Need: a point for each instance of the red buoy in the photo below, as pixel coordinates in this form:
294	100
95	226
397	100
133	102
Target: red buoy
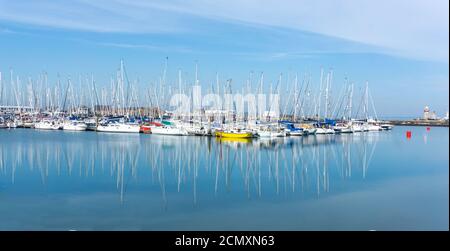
428	129
408	134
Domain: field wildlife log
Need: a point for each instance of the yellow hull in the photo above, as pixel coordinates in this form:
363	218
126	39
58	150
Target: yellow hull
234	135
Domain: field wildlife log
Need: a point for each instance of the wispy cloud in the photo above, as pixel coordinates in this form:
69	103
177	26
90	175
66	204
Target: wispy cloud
10	31
410	28
416	28
93	16
144	46
282	55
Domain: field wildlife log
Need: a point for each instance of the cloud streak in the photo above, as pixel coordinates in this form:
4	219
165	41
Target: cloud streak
144	46
417	29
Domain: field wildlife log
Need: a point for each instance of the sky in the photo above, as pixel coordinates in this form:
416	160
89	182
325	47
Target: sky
400	47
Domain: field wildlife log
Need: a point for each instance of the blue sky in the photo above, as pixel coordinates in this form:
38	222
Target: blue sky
400	47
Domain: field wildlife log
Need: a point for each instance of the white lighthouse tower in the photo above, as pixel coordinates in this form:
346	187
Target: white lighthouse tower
426	113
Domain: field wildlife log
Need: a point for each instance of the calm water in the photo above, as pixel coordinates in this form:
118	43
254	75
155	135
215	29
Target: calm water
57	180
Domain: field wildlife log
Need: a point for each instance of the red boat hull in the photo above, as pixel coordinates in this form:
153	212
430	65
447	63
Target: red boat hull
145	129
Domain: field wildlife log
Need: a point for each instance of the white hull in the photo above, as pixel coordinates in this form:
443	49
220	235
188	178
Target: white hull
329	131
28	124
296	133
324	131
11	125
91	126
365	127
163	130
343	130
346	130
321	131
46	126
357	128
269	134
373	128
198	131
122	128
75	127
387	127
310	131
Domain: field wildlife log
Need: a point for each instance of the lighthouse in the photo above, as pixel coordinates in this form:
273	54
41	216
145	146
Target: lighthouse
426	113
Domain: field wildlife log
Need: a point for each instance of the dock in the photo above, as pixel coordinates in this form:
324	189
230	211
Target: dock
419	122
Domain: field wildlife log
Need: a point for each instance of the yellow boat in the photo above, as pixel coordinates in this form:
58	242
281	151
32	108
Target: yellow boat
235	135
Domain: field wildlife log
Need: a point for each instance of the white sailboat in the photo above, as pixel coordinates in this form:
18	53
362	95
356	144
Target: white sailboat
91	124
296	133
47	124
320	130
373	126
357	126
169	130
310	131
324	130
386	126
270	132
342	128
329	131
118	127
197	130
74	125
11	124
2	123
369	124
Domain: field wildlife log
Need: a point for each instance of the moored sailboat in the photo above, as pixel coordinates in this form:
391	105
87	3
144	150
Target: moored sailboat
74	125
168	128
47	124
119	127
234	133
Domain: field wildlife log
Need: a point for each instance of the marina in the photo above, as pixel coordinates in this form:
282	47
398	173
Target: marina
292	165
306	111
312	159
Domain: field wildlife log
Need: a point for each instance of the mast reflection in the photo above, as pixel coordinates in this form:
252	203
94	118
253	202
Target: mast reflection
254	167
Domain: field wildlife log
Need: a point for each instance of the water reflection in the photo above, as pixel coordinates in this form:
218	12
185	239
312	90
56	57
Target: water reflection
258	168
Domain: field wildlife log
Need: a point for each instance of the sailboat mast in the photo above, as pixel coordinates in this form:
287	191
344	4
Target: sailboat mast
164	83
366	100
1	89
279	92
296	98
261	86
218	94
179	88
326	96
330	81
350	100
371	99
121	83
320	93
196	73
